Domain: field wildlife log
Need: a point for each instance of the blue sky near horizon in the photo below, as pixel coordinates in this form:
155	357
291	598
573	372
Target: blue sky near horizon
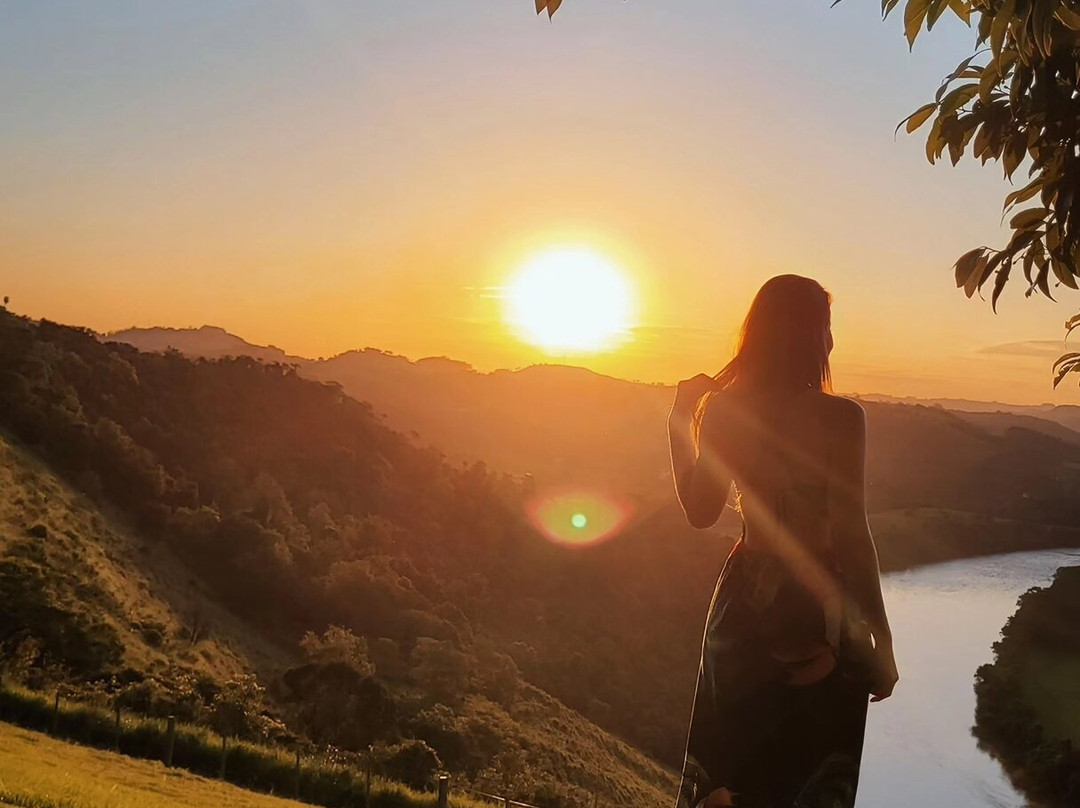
329	175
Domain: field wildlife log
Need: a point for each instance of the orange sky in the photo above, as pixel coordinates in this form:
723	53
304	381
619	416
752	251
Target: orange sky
327	176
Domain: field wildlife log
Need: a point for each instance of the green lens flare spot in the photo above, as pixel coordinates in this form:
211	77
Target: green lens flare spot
579	520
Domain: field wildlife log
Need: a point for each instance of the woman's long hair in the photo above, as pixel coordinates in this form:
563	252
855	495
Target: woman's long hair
782	345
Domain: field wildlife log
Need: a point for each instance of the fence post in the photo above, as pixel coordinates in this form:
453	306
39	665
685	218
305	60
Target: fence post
116	729
506	802
444	790
296	787
55	713
224	752
170	740
367	781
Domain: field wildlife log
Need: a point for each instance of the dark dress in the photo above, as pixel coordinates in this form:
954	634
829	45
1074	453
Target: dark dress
772	743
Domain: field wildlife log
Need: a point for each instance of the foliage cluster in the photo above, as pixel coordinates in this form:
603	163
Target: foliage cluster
398	576
1015	102
1048	768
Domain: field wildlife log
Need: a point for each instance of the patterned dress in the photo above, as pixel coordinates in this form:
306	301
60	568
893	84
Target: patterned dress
774	744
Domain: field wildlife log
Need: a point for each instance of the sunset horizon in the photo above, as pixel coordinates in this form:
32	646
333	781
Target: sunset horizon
322	212
540	403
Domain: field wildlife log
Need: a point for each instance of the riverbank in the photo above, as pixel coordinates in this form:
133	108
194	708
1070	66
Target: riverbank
1028	699
913	537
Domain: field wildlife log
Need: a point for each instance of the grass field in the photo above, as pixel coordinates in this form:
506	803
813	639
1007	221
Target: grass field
37	771
1051	685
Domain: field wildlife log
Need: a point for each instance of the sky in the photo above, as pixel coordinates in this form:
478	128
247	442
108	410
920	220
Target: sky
325	176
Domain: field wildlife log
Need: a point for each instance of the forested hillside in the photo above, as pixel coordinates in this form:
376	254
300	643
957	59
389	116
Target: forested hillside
1028	709
298	511
569	425
293	506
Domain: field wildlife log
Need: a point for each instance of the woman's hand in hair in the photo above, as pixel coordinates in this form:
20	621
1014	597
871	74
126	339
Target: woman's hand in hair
689	392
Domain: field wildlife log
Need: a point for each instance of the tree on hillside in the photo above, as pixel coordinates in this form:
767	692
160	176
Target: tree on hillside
1015	101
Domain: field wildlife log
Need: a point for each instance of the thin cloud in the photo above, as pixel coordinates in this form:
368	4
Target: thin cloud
1044	349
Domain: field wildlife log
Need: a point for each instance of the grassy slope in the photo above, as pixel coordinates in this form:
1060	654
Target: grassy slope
137	584
37	771
141	583
575	750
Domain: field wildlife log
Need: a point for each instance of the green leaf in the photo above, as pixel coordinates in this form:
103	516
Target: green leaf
1000	26
977	276
917	118
965	266
982	142
935	141
957	97
1024	194
934	12
1014	154
960	68
988	81
1027	219
1000	281
1069	18
914	14
1042	16
1071	323
1066	364
961	9
1061	272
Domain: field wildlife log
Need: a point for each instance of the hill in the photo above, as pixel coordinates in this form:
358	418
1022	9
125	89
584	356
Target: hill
96	594
571	427
285	507
472	617
205	342
1067	415
1028	699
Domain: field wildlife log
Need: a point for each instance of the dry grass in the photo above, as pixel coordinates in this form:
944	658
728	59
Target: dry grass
141	584
37	771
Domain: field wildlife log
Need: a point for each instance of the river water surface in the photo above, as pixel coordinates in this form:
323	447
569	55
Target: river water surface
919	749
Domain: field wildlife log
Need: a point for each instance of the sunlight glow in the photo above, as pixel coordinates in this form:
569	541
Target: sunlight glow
570	299
578	518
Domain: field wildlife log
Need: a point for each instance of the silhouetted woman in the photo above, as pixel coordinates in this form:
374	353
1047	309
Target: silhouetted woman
796	638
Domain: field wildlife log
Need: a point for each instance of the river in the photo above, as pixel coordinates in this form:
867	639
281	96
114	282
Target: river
919	748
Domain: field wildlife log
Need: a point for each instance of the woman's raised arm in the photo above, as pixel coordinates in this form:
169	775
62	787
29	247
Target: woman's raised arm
701	482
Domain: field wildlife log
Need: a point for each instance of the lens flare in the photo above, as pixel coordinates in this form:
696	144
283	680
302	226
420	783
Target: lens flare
577	518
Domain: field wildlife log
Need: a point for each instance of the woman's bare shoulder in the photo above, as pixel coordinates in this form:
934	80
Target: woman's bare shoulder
841	410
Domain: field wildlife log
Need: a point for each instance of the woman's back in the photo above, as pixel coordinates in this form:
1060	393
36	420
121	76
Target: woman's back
777	450
787	660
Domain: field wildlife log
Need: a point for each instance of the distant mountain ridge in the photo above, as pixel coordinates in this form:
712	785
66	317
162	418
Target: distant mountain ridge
208	341
553	421
1068	415
574	427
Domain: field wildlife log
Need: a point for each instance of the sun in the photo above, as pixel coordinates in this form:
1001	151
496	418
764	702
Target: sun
570	299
